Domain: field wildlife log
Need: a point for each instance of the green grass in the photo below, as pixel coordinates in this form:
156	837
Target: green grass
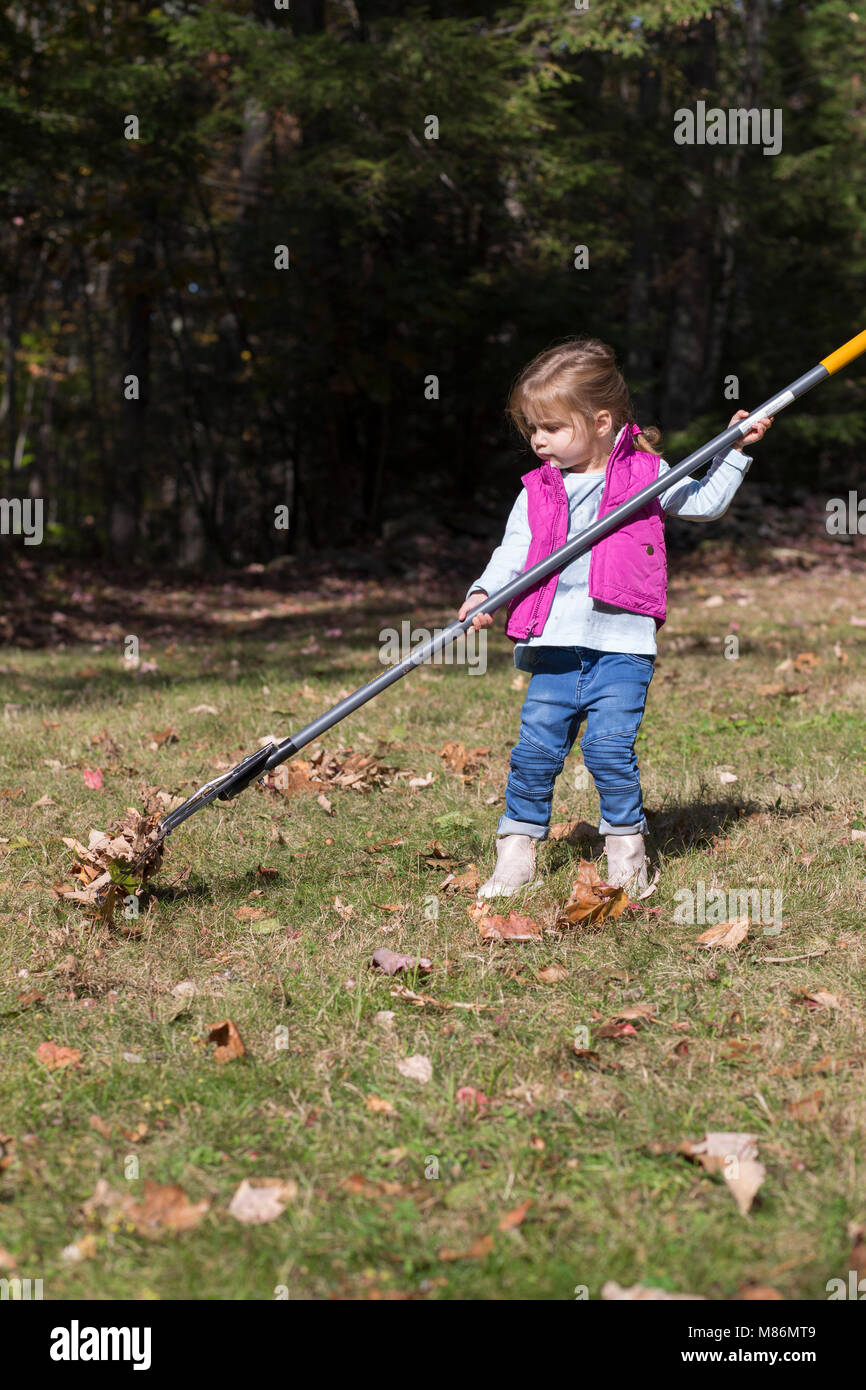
592	1144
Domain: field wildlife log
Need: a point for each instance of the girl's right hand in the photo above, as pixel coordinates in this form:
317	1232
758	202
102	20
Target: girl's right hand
481	619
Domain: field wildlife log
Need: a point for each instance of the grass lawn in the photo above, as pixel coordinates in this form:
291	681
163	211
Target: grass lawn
402	1185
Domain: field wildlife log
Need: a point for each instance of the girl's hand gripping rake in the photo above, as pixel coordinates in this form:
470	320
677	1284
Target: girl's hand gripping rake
257	764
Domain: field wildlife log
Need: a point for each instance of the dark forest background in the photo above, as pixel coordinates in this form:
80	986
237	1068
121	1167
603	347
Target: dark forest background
409	258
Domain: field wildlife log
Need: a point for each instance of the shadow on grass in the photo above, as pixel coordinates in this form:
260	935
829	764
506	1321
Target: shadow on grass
677	829
193	889
680	828
103	688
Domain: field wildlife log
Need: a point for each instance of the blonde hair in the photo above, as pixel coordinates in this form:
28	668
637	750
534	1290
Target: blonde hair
578	377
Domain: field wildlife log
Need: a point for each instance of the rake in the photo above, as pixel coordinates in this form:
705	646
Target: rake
253	768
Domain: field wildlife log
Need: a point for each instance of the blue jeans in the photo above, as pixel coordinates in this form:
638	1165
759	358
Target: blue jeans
568	684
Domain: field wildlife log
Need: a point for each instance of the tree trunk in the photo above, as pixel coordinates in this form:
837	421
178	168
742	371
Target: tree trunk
639	316
123	527
11	383
687	387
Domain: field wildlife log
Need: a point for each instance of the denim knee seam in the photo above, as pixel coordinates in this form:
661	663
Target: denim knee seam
557	757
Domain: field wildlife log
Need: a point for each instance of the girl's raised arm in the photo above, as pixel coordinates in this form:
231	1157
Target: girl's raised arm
707	498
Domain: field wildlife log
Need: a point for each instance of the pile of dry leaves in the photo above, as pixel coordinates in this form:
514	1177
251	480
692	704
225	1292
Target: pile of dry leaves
361	772
466	762
114	863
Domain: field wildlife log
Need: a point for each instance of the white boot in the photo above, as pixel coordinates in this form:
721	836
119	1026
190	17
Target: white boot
515	866
626	862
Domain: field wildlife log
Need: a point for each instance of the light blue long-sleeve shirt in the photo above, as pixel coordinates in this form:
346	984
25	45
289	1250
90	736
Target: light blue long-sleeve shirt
575	619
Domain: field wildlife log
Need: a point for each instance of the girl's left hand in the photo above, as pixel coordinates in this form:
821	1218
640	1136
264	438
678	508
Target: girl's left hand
758	430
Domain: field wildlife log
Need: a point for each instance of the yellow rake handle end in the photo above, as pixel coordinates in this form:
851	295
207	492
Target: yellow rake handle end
845	354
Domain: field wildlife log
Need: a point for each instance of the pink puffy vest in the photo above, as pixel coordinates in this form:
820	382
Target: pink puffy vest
627	567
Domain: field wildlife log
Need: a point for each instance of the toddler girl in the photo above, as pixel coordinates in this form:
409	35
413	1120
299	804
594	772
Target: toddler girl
587	634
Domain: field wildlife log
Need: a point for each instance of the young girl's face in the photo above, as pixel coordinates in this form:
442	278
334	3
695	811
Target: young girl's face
567	441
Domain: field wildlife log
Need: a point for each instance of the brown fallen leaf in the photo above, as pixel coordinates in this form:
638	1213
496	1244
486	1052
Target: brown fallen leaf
227	1039
246	913
392	961
85	1248
467	882
735	1156
53	1057
636	1013
96	1122
510	928
816	999
466	762
727	934
290	778
165	1209
135	1136
737	1050
759	1293
416	1068
325	804
825	1066
258	1200
30	996
436	849
418	782
378	1106
614	1030
160	740
161	1209
513	1219
470	1098
806	1108
552	974
63	890
622	1023
478	1250
375	1188
592	900
104	1200
611	1291
264	872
